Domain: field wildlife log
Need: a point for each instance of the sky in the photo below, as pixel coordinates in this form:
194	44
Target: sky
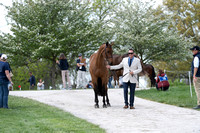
3	23
6	28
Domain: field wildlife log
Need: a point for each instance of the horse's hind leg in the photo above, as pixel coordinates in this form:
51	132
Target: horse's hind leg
96	100
107	100
104	102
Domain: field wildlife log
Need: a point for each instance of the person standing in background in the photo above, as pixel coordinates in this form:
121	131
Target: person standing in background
4	81
63	64
81	68
32	81
10	87
196	73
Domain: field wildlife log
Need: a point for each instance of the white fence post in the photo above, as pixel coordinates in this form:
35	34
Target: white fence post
190	83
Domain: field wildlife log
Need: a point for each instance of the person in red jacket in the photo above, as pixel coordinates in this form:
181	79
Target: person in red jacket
162	81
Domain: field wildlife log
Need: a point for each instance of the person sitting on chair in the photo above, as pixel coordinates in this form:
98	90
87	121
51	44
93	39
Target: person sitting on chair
162	81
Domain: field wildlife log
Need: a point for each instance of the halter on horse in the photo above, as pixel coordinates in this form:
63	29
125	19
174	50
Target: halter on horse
99	72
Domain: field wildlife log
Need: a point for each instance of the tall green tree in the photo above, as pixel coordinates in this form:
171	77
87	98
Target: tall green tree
136	25
46	28
186	17
42	29
101	14
40	70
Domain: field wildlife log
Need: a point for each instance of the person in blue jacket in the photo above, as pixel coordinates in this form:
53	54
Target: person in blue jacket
32	81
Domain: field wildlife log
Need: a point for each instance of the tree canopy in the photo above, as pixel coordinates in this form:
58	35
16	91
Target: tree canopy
42	29
186	16
138	26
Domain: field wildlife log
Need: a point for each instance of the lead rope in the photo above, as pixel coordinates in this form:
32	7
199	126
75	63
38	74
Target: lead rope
139	82
135	77
112	72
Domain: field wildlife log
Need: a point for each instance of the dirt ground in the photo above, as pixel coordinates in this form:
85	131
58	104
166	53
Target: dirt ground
151	117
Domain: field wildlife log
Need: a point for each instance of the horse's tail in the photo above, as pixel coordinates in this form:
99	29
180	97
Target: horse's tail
100	89
153	76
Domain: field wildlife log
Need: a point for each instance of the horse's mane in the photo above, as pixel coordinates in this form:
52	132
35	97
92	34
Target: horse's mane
100	54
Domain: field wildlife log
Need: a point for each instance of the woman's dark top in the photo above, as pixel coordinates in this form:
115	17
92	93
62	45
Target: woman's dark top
63	64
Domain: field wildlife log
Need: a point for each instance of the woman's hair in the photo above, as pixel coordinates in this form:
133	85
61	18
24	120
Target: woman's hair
62	56
160	71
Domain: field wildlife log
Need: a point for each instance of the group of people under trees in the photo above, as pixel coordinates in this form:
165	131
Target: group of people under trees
80	68
131	65
64	67
162	81
32	80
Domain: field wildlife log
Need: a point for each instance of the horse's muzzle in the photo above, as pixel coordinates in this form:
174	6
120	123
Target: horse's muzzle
110	60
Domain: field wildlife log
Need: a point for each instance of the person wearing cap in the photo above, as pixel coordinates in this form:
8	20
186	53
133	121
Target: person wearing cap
131	67
10	70
196	73
63	64
4	81
81	68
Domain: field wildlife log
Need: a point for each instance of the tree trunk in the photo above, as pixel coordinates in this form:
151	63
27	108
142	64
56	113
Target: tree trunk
53	75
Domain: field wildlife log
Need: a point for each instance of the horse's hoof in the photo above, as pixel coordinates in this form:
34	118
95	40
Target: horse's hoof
104	106
96	106
108	105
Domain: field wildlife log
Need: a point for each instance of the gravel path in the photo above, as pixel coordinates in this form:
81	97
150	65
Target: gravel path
148	116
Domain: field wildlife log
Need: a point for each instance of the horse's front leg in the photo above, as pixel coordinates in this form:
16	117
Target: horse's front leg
104	102
107	100
96	100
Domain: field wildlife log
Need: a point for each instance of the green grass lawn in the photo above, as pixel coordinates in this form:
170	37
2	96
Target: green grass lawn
176	95
29	116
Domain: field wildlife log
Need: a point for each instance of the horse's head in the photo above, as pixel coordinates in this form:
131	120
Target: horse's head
108	52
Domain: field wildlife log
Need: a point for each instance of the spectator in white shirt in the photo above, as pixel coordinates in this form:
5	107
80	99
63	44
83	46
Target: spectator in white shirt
196	73
40	85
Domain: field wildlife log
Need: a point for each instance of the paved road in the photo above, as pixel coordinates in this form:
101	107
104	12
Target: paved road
147	117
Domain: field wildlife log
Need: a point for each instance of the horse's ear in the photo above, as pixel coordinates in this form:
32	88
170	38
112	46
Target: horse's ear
112	43
107	43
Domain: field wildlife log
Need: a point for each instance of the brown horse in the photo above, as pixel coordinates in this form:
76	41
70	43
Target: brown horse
99	72
147	69
119	72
